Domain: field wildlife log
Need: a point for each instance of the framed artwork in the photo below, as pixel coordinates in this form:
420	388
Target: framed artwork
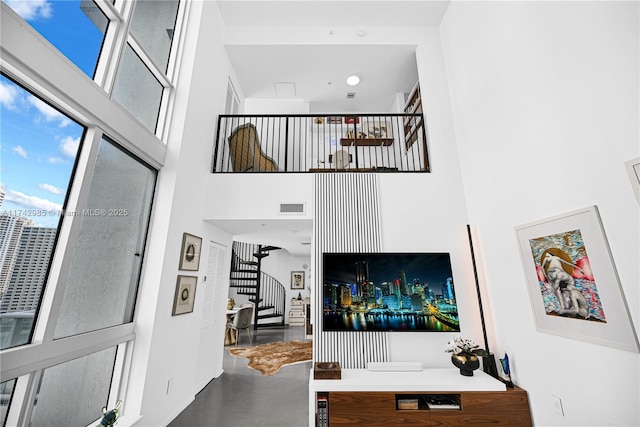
185	295
376	129
572	280
318	120
350	120
633	169
190	252
297	280
334	120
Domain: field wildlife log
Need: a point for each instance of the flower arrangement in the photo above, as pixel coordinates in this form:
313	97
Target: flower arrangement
463	345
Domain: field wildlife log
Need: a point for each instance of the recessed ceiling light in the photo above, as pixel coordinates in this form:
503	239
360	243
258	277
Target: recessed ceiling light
353	80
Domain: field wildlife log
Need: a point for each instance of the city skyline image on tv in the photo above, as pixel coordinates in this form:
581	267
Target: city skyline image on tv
400	292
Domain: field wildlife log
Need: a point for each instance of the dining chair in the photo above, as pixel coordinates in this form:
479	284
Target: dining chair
242	320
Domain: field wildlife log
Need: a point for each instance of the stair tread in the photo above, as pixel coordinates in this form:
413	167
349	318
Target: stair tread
267	316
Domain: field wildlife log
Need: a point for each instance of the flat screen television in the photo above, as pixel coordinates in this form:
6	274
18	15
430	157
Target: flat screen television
399	292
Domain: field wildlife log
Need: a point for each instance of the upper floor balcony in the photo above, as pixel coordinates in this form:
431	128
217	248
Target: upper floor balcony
321	143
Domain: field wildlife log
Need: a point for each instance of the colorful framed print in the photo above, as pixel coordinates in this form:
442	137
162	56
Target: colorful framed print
190	252
185	295
572	281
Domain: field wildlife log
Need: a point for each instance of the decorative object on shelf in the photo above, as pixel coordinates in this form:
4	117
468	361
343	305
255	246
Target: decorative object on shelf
230	303
185	295
297	280
572	278
327	371
109	417
488	361
465	354
299	296
190	252
507	371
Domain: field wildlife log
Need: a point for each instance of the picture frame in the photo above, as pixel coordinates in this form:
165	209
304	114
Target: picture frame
334	120
377	129
190	252
185	295
633	170
297	280
351	120
572	281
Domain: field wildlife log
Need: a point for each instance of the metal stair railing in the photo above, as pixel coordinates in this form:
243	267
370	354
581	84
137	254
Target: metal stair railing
266	292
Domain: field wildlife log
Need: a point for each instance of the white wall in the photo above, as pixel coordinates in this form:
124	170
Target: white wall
167	347
545	100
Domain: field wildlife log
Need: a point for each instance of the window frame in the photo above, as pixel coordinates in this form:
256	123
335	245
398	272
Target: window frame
33	63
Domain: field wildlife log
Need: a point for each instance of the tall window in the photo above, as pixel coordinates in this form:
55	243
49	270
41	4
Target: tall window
40	146
76	192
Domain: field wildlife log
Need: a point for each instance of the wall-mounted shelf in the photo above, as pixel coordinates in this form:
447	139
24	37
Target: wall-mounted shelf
367	142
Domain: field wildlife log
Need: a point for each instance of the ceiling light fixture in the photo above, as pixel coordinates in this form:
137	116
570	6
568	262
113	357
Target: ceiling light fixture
353	80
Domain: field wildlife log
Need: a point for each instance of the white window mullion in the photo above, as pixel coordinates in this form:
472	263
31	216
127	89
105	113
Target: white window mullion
118	43
54	291
23	360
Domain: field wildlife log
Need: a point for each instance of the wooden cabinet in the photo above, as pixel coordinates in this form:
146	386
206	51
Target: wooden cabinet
494	408
357	400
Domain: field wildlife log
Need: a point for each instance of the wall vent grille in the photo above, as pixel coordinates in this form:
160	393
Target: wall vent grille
291	208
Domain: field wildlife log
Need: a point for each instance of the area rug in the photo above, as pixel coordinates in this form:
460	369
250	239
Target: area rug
269	358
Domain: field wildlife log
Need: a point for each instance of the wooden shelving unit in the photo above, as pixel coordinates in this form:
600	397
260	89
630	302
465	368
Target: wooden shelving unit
413	125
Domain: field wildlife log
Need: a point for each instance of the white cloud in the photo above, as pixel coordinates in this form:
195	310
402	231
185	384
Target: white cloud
50	114
31	202
19	151
69	146
54	160
8	96
31	9
50	188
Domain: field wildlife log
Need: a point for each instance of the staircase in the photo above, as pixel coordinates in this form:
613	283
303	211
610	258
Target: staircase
247	278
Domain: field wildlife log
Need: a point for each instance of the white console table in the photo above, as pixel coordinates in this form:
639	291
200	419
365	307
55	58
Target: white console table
362	396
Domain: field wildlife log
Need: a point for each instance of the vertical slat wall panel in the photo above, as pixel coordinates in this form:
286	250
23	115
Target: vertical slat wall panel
347	219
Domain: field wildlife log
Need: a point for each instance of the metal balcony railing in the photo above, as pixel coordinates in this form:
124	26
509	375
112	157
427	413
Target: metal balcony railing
321	143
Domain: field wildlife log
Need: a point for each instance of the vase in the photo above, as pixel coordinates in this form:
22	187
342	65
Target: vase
230	303
466	362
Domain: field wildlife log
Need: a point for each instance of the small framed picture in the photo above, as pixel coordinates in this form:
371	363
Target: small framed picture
297	280
350	120
376	129
185	295
190	252
334	120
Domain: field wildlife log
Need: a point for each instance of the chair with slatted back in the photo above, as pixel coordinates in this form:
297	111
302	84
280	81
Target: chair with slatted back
246	153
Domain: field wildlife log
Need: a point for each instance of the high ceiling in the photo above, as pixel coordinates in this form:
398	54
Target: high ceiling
316	72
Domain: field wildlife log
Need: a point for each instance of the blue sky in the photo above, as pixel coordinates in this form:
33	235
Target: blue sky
38	144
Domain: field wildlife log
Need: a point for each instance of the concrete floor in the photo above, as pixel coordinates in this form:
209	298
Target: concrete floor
242	397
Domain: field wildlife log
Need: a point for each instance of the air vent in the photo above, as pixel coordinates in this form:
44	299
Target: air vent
351	95
291	208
